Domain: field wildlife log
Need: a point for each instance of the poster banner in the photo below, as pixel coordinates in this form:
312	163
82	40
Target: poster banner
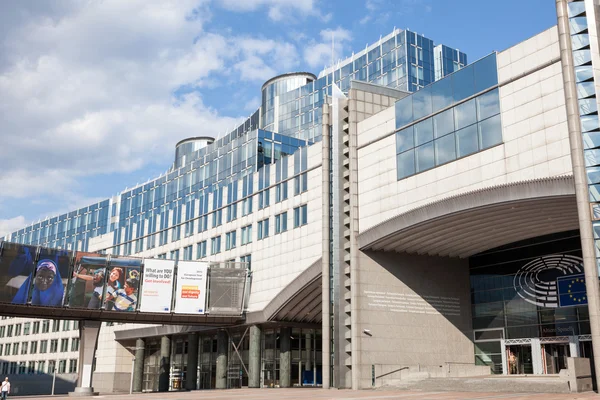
87	281
122	284
16	267
50	278
190	297
157	287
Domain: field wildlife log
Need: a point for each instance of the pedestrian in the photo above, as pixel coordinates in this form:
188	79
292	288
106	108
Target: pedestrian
5	388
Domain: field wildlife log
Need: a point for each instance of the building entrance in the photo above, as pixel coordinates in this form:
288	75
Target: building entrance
555	357
519	359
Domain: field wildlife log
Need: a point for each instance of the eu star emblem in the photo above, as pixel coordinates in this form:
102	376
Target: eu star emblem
571	291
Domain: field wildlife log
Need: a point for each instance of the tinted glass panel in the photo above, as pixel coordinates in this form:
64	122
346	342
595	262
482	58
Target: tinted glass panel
490	132
584	73
591	140
406	164
424	132
466	141
404	111
593	174
445	149
424	157
577	25
465	114
422	103
587	106
592	157
589	123
580	41
443	123
441	94
576	8
488	105
581	57
405	139
486	73
463	84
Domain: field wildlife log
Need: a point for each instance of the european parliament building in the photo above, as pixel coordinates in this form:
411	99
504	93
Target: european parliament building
401	213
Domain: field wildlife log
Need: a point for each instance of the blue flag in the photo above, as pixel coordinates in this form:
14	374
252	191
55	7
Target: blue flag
571	291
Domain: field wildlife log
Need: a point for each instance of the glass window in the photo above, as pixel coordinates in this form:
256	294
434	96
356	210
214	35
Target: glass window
578	25
281	222
443	123
589	123
486	73
588	106
580	41
404	111
230	240
441	94
445	149
406	164
422	103
576	8
465	114
490	132
463	83
590	140
581	57
466	141
247	234
405	139
425	157
488	105
424	132
585	89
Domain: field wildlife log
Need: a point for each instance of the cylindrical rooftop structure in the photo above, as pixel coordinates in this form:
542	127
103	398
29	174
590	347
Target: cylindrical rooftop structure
184	148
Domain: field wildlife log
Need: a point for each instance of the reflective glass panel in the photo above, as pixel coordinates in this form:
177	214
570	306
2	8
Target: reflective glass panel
466	141
422	103
575	8
581	57
585	89
577	25
423	132
589	123
588	106
488	104
592	157
405	139
443	123
424	157
404	111
593	174
584	73
463	84
406	164
445	149
580	41
594	191
591	140
490	132
486	73
465	114
441	94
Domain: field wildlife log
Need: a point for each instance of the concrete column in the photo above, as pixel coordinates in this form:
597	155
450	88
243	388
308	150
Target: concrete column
536	357
254	357
222	354
504	360
308	362
326	276
285	358
191	378
574	346
138	365
88	336
579	174
165	364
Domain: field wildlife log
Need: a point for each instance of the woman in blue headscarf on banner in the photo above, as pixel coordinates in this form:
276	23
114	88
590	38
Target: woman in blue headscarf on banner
47	288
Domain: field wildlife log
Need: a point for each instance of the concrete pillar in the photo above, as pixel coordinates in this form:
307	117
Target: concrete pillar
138	365
574	346
579	173
254	357
308	362
192	362
222	354
285	358
326	273
88	336
536	356
164	376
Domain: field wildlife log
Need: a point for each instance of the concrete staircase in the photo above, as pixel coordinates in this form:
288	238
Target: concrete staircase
492	383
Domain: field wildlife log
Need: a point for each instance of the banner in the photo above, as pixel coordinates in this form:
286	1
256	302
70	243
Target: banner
16	267
51	278
190	297
87	281
157	287
122	284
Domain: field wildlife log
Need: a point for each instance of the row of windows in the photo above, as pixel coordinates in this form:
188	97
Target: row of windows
30	367
34	327
32	347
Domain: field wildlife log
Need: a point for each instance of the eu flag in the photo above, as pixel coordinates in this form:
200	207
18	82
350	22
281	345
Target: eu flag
571	291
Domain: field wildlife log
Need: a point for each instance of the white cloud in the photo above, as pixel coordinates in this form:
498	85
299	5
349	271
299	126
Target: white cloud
277	10
319	53
10	225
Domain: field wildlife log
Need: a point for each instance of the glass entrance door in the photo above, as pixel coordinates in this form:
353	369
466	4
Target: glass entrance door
519	359
555	357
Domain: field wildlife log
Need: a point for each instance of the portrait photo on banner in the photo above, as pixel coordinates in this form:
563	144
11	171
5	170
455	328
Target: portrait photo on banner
87	281
123	284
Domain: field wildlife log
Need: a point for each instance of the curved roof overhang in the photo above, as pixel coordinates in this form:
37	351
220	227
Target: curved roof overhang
469	223
298	302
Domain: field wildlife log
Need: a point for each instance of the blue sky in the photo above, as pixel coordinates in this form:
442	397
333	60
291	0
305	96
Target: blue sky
96	94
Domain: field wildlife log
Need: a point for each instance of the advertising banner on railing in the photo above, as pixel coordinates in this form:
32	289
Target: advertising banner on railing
50	278
191	287
16	269
122	284
157	287
87	281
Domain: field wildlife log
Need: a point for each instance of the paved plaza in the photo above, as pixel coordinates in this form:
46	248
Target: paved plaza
317	394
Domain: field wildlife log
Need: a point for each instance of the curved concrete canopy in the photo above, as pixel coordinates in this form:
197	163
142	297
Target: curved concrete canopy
298	302
470	223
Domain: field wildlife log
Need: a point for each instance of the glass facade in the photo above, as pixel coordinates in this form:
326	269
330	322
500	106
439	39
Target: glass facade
444	121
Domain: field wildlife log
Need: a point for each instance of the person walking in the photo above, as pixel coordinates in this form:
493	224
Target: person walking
5	388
